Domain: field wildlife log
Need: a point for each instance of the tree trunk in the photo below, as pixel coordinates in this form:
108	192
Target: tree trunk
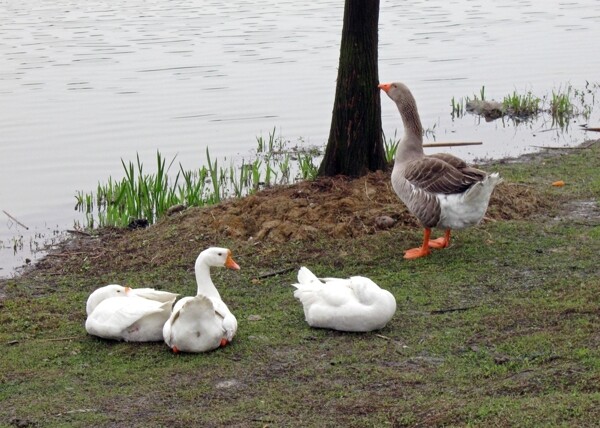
355	144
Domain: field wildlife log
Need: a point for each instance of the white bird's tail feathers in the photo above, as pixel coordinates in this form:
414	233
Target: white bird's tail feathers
307	285
306	277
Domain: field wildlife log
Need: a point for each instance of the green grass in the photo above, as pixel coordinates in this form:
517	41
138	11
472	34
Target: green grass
522	351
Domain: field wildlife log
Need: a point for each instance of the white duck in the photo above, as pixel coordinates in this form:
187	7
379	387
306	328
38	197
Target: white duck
440	189
204	322
122	313
353	304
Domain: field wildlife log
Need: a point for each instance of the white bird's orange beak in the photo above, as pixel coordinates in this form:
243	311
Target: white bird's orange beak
230	263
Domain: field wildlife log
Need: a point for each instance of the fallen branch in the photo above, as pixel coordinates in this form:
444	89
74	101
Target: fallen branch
381	336
591	129
559	148
275	273
66	254
71	412
15	220
52	339
78	232
448	144
444	311
60	339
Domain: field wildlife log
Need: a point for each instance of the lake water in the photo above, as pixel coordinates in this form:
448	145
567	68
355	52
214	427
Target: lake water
86	83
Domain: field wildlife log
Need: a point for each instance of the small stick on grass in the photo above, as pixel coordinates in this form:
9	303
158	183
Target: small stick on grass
60	339
275	273
444	311
15	220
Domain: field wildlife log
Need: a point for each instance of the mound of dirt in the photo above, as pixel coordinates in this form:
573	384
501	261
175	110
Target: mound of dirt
339	208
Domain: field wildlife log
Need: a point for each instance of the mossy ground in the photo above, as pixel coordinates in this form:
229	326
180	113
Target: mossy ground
500	329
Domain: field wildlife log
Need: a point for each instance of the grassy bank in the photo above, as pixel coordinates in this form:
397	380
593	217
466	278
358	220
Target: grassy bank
501	329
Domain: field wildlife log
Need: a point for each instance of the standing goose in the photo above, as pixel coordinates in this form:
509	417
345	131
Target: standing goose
122	313
441	190
204	322
353	304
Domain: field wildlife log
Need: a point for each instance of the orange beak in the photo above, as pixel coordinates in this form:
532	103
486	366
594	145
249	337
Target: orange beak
230	263
224	342
385	86
127	291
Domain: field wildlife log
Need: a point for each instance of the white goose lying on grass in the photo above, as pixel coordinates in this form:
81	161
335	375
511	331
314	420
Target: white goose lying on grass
122	313
440	189
353	304
204	322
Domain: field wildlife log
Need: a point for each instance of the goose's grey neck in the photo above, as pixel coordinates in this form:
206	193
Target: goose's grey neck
411	145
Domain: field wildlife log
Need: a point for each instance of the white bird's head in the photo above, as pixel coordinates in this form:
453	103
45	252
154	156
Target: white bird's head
216	256
106	292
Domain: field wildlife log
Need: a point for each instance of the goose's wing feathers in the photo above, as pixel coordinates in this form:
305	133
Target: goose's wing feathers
197	309
468	171
114	315
311	290
152	294
228	319
353	304
194	326
334	292
436	175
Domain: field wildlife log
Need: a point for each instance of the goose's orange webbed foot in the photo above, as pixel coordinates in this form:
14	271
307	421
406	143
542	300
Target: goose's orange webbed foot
422	251
415	253
440	242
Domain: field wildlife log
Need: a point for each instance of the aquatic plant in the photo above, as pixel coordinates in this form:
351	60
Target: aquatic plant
521	106
562	105
458	108
390	145
148	196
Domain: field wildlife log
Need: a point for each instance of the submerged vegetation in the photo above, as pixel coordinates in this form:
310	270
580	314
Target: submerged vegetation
563	104
149	196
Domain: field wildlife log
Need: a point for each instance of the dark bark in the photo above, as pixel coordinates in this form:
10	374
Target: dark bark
355	144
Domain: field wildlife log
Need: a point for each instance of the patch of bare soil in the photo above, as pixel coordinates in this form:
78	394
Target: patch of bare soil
338	208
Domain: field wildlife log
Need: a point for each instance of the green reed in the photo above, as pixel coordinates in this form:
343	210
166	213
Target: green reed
143	195
521	105
458	108
390	145
562	105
